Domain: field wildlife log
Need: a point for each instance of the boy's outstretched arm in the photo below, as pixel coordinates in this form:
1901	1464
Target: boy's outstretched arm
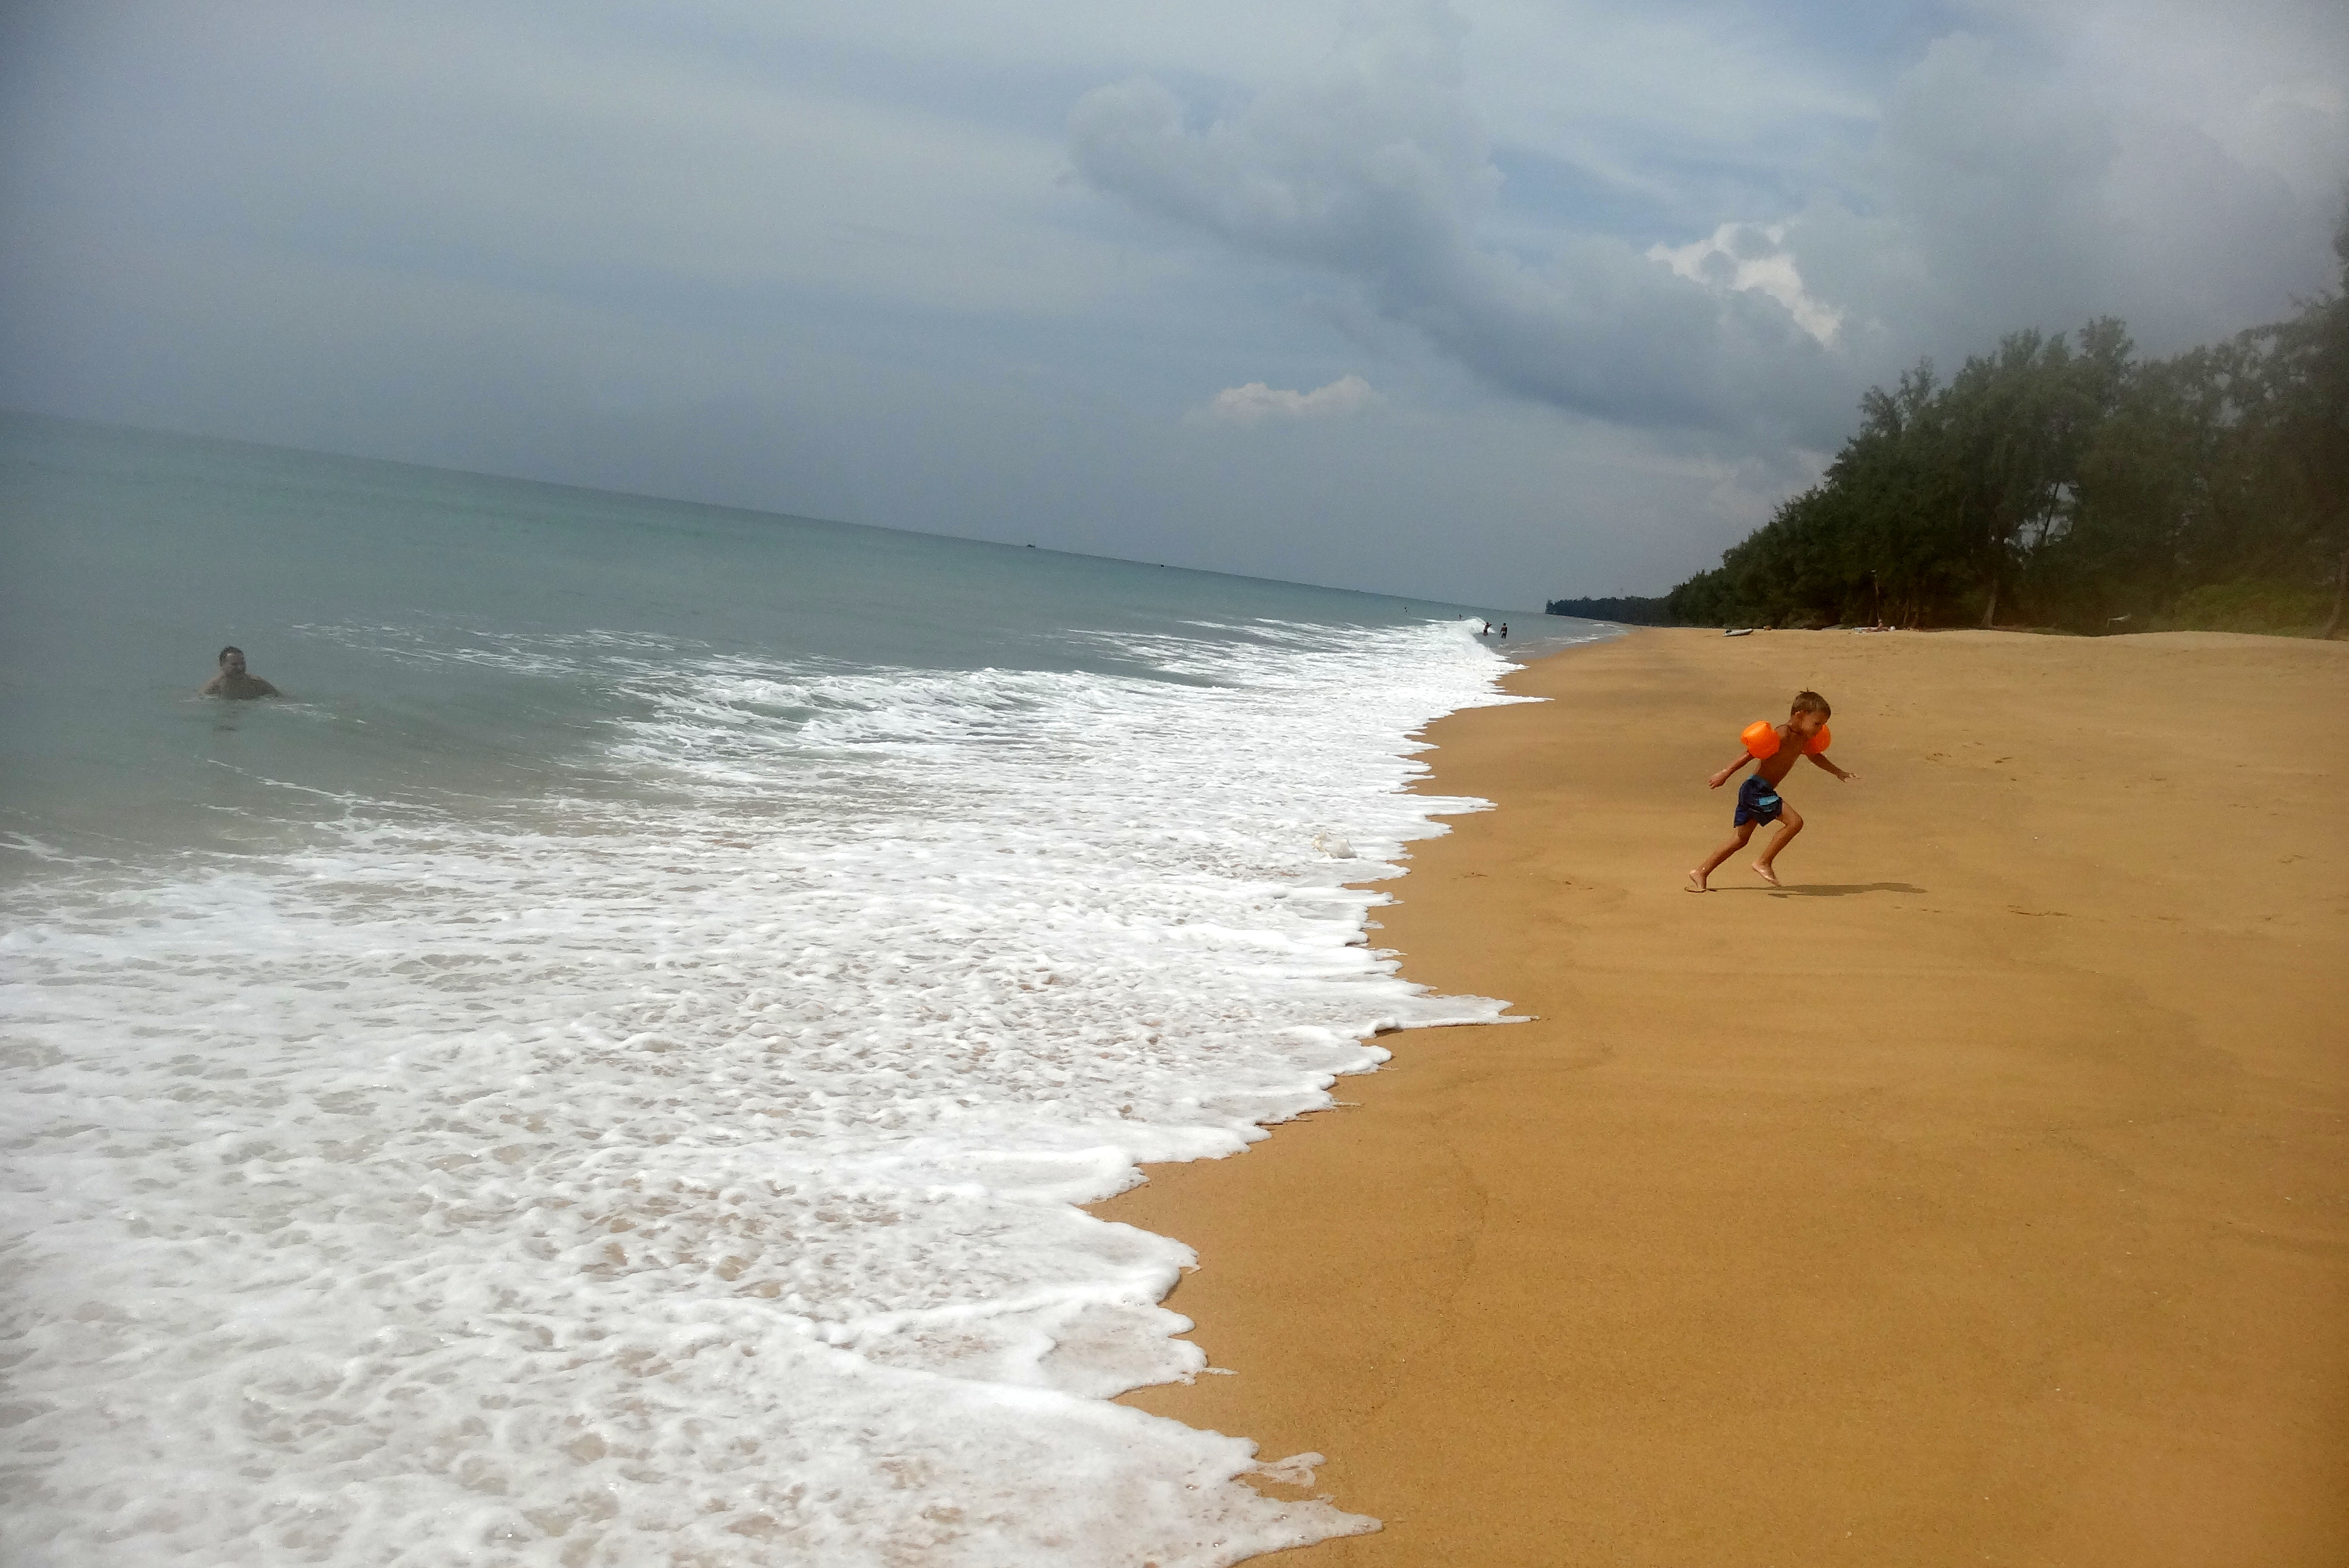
1725	775
1821	758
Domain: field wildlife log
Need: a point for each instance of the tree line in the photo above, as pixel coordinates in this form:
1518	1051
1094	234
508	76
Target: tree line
2064	483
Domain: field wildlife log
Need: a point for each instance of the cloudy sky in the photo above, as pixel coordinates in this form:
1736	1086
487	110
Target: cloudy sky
1493	300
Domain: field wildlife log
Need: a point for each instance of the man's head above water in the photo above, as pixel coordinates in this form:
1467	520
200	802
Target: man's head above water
233	681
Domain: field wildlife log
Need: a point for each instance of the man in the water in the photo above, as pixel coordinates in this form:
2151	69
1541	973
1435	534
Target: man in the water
233	681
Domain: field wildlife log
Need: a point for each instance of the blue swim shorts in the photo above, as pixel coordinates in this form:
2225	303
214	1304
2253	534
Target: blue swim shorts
1757	802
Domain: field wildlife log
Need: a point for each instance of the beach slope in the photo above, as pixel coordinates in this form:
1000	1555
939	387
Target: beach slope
1981	1196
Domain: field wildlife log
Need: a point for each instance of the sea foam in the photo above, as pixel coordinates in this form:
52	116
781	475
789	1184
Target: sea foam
685	1172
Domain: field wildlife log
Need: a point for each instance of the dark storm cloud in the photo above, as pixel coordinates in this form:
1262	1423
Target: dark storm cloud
2000	178
1375	169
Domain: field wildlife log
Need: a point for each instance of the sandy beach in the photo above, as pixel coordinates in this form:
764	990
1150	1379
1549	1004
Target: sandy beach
1981	1196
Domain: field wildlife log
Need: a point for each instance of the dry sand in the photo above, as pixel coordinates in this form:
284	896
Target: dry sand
1981	1197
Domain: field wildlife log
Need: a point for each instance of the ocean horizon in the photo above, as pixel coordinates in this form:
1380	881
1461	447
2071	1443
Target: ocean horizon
603	1069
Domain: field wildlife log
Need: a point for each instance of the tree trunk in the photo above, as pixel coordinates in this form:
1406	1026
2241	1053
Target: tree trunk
1989	611
2340	590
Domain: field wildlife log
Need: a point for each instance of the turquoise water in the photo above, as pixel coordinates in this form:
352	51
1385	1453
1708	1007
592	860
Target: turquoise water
603	1072
410	614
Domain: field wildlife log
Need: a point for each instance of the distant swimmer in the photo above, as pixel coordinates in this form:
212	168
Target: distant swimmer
234	682
1505	629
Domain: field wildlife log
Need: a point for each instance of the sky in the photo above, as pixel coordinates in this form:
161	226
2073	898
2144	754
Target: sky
1493	301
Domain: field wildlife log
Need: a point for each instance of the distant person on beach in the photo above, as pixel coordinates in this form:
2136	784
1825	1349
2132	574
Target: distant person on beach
1505	629
234	682
1801	735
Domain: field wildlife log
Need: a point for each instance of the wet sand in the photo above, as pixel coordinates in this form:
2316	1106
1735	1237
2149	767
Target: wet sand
1983	1195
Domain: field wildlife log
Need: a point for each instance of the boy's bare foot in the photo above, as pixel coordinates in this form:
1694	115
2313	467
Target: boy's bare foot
1766	874
1696	883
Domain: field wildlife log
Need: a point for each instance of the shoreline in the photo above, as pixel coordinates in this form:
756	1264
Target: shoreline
1977	1195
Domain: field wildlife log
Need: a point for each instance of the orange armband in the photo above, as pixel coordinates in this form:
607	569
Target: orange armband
1761	738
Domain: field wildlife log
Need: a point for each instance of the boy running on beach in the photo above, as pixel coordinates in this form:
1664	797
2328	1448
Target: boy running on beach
1758	798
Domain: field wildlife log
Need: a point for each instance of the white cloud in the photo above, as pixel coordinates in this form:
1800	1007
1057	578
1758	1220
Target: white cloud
1256	402
1753	256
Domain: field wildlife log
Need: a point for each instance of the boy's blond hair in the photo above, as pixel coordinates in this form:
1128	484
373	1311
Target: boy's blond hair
1811	702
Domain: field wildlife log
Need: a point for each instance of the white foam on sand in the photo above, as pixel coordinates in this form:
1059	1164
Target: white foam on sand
687	1176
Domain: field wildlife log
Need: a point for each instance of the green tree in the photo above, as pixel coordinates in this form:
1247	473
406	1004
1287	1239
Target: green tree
2063	479
2297	408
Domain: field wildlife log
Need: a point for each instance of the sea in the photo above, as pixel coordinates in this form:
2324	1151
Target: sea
604	1070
